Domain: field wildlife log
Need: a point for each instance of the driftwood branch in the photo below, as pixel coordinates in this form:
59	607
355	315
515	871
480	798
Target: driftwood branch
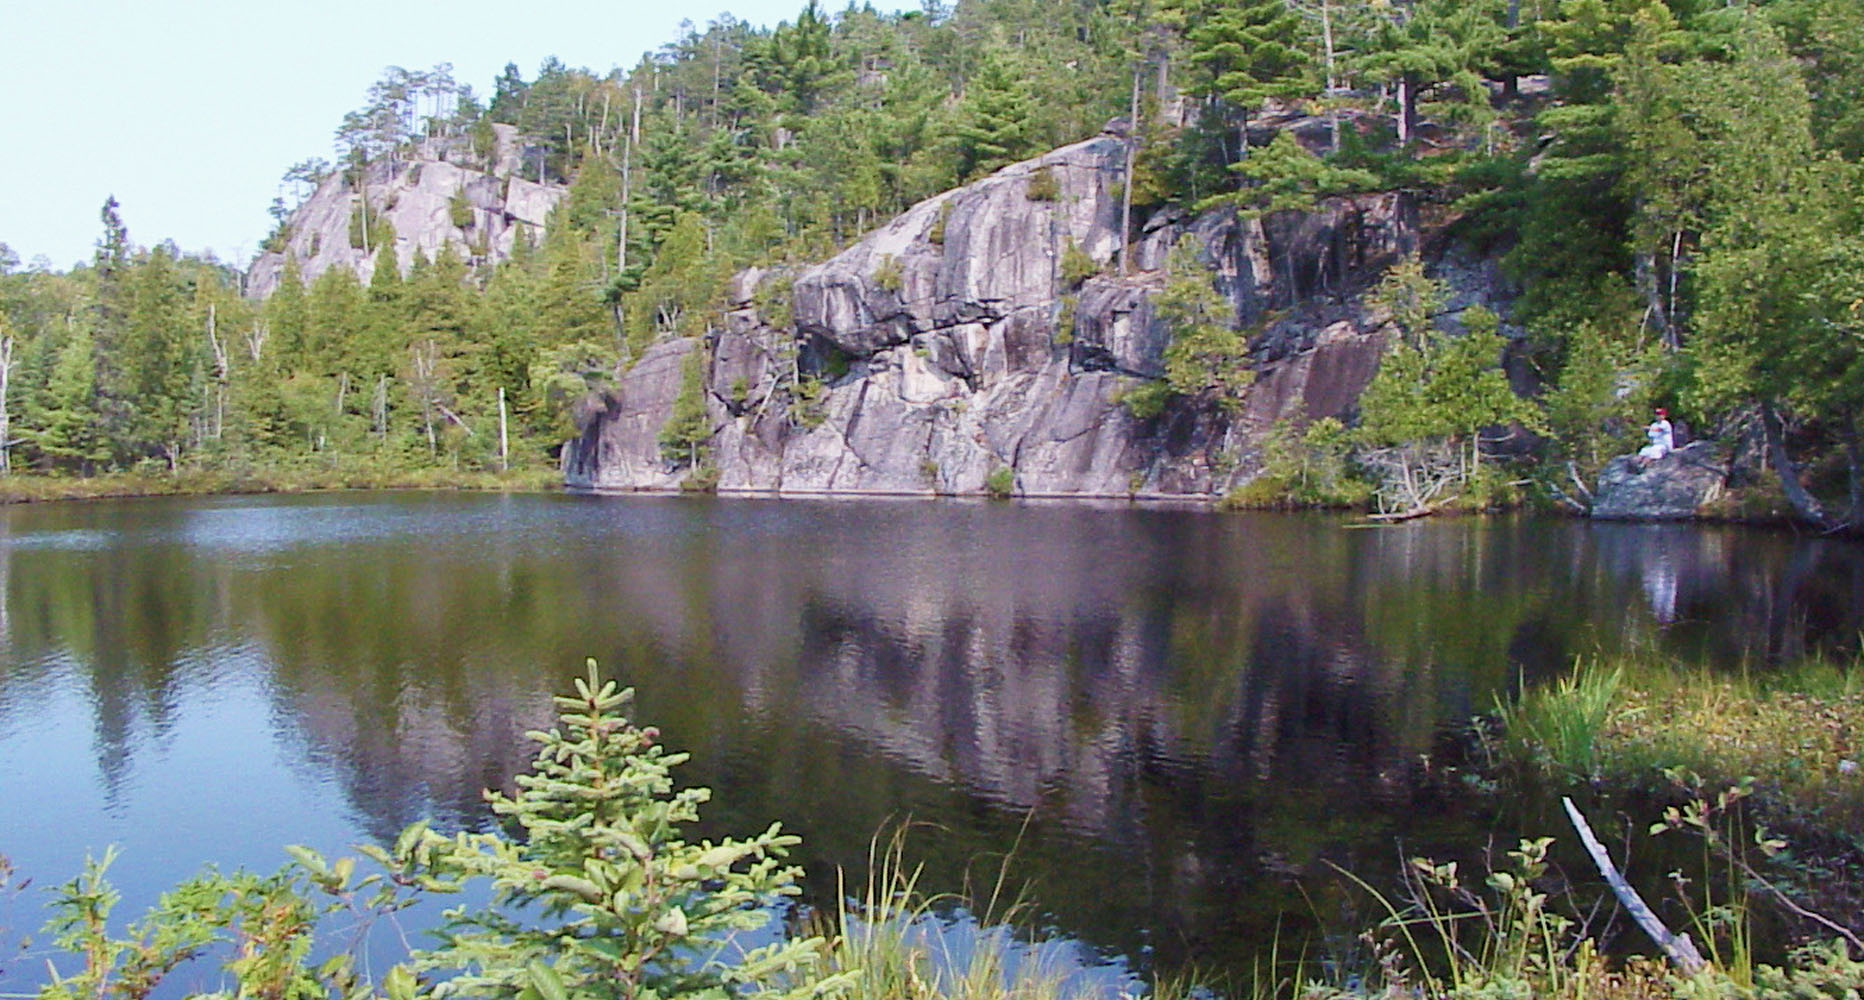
1678	947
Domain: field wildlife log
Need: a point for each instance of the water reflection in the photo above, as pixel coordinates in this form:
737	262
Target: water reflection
1174	718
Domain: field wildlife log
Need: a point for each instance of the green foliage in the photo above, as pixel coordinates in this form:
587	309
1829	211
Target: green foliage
1596	409
1076	264
1064	319
775	300
993	120
1423	413
595	892
1311	468
1206	357
680	291
600	894
1000	483
1146	400
1043	185
1286	176
1251	51
459	210
888	273
808	401
1565	723
368	227
936	234
688	427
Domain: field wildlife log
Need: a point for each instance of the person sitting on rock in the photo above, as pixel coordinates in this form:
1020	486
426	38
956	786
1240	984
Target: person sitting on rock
1662	439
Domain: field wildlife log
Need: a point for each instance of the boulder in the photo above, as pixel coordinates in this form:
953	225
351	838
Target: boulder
1672	488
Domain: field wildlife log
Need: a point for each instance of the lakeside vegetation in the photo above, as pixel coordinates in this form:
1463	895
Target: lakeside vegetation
269	479
595	892
1665	193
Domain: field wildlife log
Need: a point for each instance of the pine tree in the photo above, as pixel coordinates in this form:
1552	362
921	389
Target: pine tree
164	363
688	426
68	430
1251	51
993	120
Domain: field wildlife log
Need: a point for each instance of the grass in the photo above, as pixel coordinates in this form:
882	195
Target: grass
1796	731
1563	724
906	949
34	488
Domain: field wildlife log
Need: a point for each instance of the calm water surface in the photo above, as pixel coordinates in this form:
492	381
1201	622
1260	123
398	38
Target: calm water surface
1175	719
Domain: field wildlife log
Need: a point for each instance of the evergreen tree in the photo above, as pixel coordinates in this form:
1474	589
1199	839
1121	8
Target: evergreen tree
68	429
992	126
1250	51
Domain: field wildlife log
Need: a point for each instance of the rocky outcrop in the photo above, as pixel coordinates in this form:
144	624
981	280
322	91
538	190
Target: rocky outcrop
443	196
1673	488
949	344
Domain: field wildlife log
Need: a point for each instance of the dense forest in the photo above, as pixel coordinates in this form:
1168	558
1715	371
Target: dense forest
1672	187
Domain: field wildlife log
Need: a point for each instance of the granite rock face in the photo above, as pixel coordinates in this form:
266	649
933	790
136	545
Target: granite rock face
947	345
1672	488
417	198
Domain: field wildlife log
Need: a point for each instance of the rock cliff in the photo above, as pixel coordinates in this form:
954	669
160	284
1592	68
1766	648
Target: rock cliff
441	196
949	344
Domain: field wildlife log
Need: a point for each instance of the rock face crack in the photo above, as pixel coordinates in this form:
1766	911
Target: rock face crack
992	381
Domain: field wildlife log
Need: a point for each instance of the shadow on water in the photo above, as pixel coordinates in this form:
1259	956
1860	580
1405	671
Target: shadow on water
1176	719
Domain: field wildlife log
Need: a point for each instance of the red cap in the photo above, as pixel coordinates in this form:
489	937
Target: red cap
1662	412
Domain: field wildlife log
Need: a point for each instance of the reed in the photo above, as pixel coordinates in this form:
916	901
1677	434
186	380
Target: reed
1562	726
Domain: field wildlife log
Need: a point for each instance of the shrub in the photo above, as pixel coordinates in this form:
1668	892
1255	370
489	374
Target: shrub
688	426
1001	482
702	479
1064	320
459	210
1077	265
807	399
936	234
888	273
1043	185
1147	399
773	300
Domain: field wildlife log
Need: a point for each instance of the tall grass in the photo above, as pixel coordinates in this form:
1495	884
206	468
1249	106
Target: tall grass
905	948
1564	724
283	478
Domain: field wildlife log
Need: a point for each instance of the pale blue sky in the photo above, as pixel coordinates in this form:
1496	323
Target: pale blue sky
190	110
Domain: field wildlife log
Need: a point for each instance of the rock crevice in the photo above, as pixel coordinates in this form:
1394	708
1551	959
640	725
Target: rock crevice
962	349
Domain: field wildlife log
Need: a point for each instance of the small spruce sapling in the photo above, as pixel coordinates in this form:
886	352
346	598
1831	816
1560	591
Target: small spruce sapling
600	895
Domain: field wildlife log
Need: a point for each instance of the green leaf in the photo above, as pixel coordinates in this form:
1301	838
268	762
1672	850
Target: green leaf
547	982
399	984
310	859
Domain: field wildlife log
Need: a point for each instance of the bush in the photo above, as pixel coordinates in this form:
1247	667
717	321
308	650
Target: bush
936	234
1043	186
1001	482
1076	264
1147	399
888	273
459	210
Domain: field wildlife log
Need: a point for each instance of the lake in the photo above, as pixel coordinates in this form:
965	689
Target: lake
1172	720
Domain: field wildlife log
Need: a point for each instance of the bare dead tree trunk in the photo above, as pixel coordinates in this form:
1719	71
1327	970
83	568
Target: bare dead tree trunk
1126	194
423	364
1804	504
219	385
504	442
6	413
378	408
